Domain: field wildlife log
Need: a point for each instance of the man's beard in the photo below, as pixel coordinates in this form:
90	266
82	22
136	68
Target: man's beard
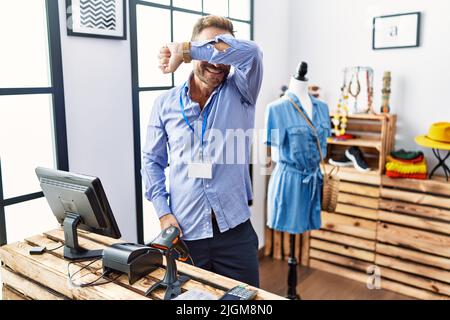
211	75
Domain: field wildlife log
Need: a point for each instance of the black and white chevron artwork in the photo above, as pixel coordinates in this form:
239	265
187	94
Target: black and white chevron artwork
98	14
96	18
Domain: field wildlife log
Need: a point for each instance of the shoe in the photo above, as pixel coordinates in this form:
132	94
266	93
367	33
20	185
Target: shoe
342	161
356	156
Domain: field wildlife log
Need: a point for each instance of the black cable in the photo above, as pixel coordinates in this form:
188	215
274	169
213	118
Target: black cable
91	283
54	249
191	260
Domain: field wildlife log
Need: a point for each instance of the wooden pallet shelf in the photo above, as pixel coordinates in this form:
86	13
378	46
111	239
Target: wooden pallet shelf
374	135
368	143
400	226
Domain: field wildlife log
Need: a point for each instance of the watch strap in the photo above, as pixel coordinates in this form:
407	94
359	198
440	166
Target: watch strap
187	52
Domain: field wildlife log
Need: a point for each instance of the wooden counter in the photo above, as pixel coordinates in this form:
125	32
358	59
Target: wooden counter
44	277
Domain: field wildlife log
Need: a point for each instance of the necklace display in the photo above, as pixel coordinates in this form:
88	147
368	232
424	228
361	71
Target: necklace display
340	117
385	108
358	89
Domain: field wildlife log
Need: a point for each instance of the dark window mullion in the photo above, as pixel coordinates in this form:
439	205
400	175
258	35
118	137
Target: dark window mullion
171	36
24	198
143	89
59	114
2	212
25	91
136	120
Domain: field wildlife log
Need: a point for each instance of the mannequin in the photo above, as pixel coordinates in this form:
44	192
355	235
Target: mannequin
293	196
299	87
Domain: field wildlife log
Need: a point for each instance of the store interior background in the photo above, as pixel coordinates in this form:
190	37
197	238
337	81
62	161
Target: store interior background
328	34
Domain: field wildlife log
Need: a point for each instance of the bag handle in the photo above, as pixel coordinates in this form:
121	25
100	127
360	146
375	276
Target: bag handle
322	160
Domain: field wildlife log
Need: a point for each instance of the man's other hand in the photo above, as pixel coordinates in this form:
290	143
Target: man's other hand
170	57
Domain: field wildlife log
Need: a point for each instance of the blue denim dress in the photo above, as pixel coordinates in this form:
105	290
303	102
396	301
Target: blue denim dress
294	195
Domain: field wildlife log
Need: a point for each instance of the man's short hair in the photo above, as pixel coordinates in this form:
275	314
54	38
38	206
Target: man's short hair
212	21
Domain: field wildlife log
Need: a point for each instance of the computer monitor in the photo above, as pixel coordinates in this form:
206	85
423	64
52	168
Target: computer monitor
78	201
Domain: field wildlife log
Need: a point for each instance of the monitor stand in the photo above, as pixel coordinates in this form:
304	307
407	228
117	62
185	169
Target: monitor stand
72	249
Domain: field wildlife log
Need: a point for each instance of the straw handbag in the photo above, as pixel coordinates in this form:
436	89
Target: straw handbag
330	188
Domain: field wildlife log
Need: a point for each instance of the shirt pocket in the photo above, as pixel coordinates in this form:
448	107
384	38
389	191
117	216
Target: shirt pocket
323	132
300	143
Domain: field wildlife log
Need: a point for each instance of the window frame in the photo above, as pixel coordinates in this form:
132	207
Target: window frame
56	90
137	90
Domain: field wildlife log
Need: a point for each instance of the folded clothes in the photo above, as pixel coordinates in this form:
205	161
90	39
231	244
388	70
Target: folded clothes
406	155
407	168
397	175
402	161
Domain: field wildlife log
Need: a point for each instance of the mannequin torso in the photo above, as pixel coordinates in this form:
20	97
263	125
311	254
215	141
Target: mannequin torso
300	89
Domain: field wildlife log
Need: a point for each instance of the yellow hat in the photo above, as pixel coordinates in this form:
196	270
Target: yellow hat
438	137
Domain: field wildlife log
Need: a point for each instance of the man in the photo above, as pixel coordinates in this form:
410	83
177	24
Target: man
208	199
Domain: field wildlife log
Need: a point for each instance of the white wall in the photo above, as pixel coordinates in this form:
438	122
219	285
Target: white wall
332	34
271	25
97	85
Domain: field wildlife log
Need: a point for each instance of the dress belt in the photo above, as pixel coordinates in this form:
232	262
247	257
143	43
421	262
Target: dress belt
315	175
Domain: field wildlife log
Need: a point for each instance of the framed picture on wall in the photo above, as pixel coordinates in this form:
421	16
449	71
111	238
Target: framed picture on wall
97	18
396	31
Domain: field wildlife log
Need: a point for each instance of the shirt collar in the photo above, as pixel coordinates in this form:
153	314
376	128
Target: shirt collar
186	89
294	97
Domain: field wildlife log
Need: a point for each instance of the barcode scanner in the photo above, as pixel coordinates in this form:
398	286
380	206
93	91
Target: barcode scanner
168	240
170	243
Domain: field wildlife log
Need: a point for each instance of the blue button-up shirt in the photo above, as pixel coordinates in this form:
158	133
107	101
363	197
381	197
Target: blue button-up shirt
231	113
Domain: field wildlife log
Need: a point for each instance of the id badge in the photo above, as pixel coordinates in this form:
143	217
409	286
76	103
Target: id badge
200	170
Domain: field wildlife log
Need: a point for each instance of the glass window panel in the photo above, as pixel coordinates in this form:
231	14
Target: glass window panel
183	23
29	218
24	56
153	31
242	30
146	101
188	4
240	9
26	141
217	7
151	221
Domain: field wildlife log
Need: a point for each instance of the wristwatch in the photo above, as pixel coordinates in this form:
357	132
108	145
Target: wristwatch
187	52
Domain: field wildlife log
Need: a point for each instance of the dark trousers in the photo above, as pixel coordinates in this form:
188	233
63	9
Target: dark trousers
233	254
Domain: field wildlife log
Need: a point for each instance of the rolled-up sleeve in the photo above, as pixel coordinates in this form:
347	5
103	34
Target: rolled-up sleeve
155	160
245	56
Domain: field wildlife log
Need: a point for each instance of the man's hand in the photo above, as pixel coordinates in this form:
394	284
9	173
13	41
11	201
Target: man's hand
170	57
169	220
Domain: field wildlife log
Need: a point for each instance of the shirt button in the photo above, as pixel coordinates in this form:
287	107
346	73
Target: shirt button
208	46
207	186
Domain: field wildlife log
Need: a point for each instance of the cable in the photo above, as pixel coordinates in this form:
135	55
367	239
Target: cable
54	249
191	260
91	283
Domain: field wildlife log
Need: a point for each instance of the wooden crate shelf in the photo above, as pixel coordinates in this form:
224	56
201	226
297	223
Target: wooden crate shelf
401	227
357	142
374	135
